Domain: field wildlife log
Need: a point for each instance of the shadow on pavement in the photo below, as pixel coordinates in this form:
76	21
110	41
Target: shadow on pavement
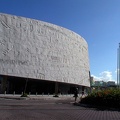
98	108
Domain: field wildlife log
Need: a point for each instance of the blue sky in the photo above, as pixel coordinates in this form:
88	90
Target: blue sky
98	21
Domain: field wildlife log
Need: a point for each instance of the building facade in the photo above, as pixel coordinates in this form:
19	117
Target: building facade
42	54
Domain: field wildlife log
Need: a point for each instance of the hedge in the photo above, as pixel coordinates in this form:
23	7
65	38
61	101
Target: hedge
107	98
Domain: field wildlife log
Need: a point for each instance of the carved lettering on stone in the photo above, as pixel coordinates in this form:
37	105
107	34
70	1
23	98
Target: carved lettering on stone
5	24
19	62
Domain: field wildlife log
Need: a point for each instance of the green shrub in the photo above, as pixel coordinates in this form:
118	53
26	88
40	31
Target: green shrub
107	97
24	95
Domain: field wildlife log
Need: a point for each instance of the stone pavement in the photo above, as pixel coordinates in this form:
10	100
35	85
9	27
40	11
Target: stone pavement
50	108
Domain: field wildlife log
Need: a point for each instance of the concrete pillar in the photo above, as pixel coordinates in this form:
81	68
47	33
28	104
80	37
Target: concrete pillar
4	84
56	88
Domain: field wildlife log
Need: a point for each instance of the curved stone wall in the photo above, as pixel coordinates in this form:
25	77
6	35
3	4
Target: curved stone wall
35	49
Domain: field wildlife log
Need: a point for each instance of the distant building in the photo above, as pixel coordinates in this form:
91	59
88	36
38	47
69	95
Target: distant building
97	83
103	84
91	81
111	83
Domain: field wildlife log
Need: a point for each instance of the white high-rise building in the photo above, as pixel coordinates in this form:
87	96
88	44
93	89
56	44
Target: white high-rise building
118	67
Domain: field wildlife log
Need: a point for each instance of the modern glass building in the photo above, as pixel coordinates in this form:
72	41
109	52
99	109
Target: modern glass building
37	56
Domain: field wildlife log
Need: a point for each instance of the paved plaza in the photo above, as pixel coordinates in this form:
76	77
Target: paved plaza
39	108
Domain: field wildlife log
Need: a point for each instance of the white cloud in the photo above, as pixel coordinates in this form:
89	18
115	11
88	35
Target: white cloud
104	76
96	78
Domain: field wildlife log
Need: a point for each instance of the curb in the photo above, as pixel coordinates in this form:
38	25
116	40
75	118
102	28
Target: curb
16	98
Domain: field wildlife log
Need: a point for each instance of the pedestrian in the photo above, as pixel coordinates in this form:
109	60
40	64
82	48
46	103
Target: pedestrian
76	94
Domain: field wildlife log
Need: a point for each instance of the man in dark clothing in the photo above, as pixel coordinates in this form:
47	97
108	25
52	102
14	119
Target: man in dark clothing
76	94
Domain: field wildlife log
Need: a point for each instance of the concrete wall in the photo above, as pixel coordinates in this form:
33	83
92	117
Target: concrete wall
40	50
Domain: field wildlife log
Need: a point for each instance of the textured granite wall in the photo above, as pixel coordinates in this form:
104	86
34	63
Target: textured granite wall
40	50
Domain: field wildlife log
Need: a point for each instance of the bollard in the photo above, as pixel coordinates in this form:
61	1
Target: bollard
42	94
22	93
36	93
48	94
14	93
5	93
29	93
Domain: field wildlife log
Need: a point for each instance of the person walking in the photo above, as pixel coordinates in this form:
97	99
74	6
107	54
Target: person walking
76	94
